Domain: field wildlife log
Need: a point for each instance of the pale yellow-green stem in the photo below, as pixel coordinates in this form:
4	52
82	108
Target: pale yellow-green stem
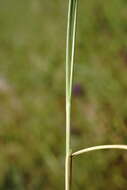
100	147
70	51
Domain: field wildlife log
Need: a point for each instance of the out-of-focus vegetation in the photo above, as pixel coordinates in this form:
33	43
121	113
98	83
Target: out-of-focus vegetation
32	94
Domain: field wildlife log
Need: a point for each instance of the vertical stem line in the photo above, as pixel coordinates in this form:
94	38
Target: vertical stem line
67	159
70	51
67	80
73	46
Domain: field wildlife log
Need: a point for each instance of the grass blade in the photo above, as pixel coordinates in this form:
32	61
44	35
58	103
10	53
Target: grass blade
70	51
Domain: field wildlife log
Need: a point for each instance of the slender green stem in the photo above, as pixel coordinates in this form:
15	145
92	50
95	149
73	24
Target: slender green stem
101	147
73	46
70	51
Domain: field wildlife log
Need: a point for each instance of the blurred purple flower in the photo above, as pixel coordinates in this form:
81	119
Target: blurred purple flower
78	90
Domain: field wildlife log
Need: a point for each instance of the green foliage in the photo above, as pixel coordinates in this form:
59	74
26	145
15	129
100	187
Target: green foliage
32	94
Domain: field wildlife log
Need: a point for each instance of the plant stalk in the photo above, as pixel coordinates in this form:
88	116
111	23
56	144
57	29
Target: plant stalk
100	147
70	51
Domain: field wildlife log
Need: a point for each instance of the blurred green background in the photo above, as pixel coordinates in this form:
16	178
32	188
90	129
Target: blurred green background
32	94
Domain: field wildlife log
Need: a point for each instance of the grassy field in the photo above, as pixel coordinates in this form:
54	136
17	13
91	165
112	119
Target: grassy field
32	94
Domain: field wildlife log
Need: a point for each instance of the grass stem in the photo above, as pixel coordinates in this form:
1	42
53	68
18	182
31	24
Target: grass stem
101	147
70	51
